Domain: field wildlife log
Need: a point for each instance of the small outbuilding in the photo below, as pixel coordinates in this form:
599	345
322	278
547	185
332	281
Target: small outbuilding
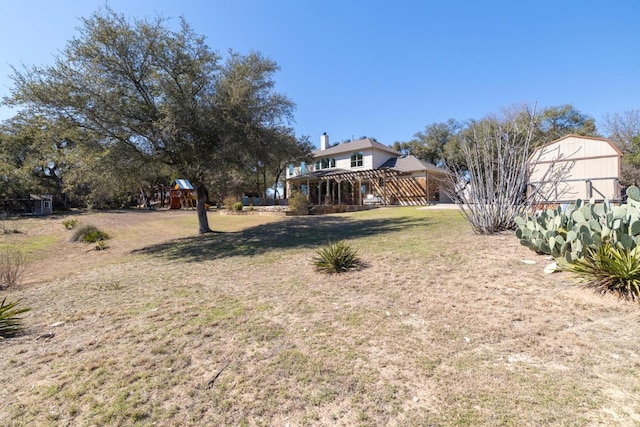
591	165
41	204
181	194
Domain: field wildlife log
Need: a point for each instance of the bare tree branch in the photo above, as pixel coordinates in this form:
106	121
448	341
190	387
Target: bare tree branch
492	190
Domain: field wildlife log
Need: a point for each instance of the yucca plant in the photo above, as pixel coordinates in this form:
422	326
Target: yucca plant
610	268
337	258
10	323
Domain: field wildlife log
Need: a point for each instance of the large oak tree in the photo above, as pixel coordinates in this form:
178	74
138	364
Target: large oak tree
163	94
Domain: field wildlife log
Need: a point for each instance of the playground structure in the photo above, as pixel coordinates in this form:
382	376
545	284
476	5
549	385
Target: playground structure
182	195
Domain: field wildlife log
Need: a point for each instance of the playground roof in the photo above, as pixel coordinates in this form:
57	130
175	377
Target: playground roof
182	184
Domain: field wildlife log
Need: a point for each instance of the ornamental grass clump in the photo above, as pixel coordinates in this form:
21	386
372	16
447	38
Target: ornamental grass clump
298	203
10	323
337	257
70	224
610	269
89	234
228	202
12	265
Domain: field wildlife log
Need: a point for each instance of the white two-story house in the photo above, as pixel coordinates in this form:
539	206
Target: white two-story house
365	171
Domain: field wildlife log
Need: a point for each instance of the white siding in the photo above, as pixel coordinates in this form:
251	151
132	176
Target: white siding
343	160
595	171
379	157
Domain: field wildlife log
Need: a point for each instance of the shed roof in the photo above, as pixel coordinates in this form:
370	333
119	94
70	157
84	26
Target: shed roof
41	196
592	138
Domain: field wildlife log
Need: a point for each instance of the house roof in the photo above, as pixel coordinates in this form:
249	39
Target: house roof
411	164
401	165
357	145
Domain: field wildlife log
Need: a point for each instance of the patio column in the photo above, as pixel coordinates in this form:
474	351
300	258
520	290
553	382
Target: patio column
384	187
328	188
319	192
427	184
339	198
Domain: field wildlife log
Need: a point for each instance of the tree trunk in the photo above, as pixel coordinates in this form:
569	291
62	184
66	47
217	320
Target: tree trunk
201	198
278	172
145	199
264	181
258	192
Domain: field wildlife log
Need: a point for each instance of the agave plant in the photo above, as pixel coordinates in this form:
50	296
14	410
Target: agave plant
337	258
611	268
10	323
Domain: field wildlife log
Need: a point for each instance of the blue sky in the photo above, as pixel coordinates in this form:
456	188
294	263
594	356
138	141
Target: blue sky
387	68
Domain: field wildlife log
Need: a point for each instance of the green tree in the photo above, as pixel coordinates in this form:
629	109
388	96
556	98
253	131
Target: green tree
437	144
556	122
293	150
160	95
13	156
283	149
48	153
623	129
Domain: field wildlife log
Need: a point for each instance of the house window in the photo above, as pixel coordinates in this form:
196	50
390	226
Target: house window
356	159
290	169
47	204
325	164
303	168
317	165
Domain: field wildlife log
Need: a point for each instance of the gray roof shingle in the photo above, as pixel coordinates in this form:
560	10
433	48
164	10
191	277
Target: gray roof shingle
359	144
411	164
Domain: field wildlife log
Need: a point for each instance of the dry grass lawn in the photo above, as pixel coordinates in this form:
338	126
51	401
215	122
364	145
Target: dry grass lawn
441	328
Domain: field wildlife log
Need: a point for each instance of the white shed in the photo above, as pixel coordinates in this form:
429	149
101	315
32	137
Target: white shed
592	168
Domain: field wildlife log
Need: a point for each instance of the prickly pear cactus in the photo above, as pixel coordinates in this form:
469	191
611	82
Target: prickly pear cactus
633	193
571	231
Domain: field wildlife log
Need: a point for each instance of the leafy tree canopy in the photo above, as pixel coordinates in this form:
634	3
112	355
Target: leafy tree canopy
439	143
623	129
556	122
144	89
436	144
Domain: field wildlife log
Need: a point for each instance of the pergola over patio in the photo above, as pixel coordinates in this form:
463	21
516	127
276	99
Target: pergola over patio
328	186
